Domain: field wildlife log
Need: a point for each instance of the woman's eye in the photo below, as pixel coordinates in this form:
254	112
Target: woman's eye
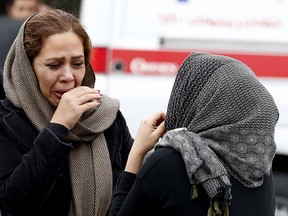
54	66
78	64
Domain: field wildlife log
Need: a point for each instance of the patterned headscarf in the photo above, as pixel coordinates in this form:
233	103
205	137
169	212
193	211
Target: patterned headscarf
89	162
222	120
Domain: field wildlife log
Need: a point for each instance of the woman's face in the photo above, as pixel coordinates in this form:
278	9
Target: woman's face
60	65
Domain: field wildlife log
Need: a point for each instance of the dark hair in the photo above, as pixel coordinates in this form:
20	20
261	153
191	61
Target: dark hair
55	21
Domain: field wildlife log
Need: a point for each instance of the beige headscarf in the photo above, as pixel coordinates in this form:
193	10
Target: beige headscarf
90	167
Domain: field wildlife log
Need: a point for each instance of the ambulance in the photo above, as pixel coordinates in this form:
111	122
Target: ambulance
138	46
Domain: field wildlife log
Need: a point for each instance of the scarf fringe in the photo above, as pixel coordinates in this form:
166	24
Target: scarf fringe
220	206
194	192
217	210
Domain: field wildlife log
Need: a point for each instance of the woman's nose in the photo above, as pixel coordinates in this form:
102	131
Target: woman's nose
67	73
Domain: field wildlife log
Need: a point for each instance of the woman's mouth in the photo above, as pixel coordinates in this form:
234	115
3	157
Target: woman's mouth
60	93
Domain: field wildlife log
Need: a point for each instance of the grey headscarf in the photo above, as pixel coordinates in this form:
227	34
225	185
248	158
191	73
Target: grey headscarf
221	119
89	162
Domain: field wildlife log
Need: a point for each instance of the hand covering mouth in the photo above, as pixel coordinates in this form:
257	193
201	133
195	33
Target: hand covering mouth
59	93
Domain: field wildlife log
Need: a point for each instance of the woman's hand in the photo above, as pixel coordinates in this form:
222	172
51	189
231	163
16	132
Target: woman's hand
74	103
148	134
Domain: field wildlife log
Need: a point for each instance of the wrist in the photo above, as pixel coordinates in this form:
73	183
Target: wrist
134	162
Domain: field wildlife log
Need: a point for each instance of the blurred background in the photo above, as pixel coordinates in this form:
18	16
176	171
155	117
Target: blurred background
72	6
138	46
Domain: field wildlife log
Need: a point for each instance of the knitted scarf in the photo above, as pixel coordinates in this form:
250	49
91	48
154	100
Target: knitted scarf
89	162
221	119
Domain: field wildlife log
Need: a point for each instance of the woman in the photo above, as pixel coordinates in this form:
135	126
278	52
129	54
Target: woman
63	144
216	156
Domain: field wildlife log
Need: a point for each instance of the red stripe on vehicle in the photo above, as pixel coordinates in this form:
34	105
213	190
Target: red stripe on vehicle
167	62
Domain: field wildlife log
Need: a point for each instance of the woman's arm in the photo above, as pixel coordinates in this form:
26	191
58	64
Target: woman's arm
130	197
148	134
30	176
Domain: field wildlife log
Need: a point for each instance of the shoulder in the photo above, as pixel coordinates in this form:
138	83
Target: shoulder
7	107
119	125
163	161
15	123
163	175
120	118
118	136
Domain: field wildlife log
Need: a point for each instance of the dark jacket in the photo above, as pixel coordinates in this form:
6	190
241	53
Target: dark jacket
34	178
162	188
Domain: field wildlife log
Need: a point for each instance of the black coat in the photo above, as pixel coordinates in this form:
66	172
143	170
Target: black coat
34	177
162	188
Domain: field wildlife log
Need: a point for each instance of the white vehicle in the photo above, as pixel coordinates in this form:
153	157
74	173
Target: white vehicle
140	44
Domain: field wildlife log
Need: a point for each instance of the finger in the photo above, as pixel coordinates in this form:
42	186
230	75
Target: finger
162	118
83	90
88	105
160	130
85	98
157	118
